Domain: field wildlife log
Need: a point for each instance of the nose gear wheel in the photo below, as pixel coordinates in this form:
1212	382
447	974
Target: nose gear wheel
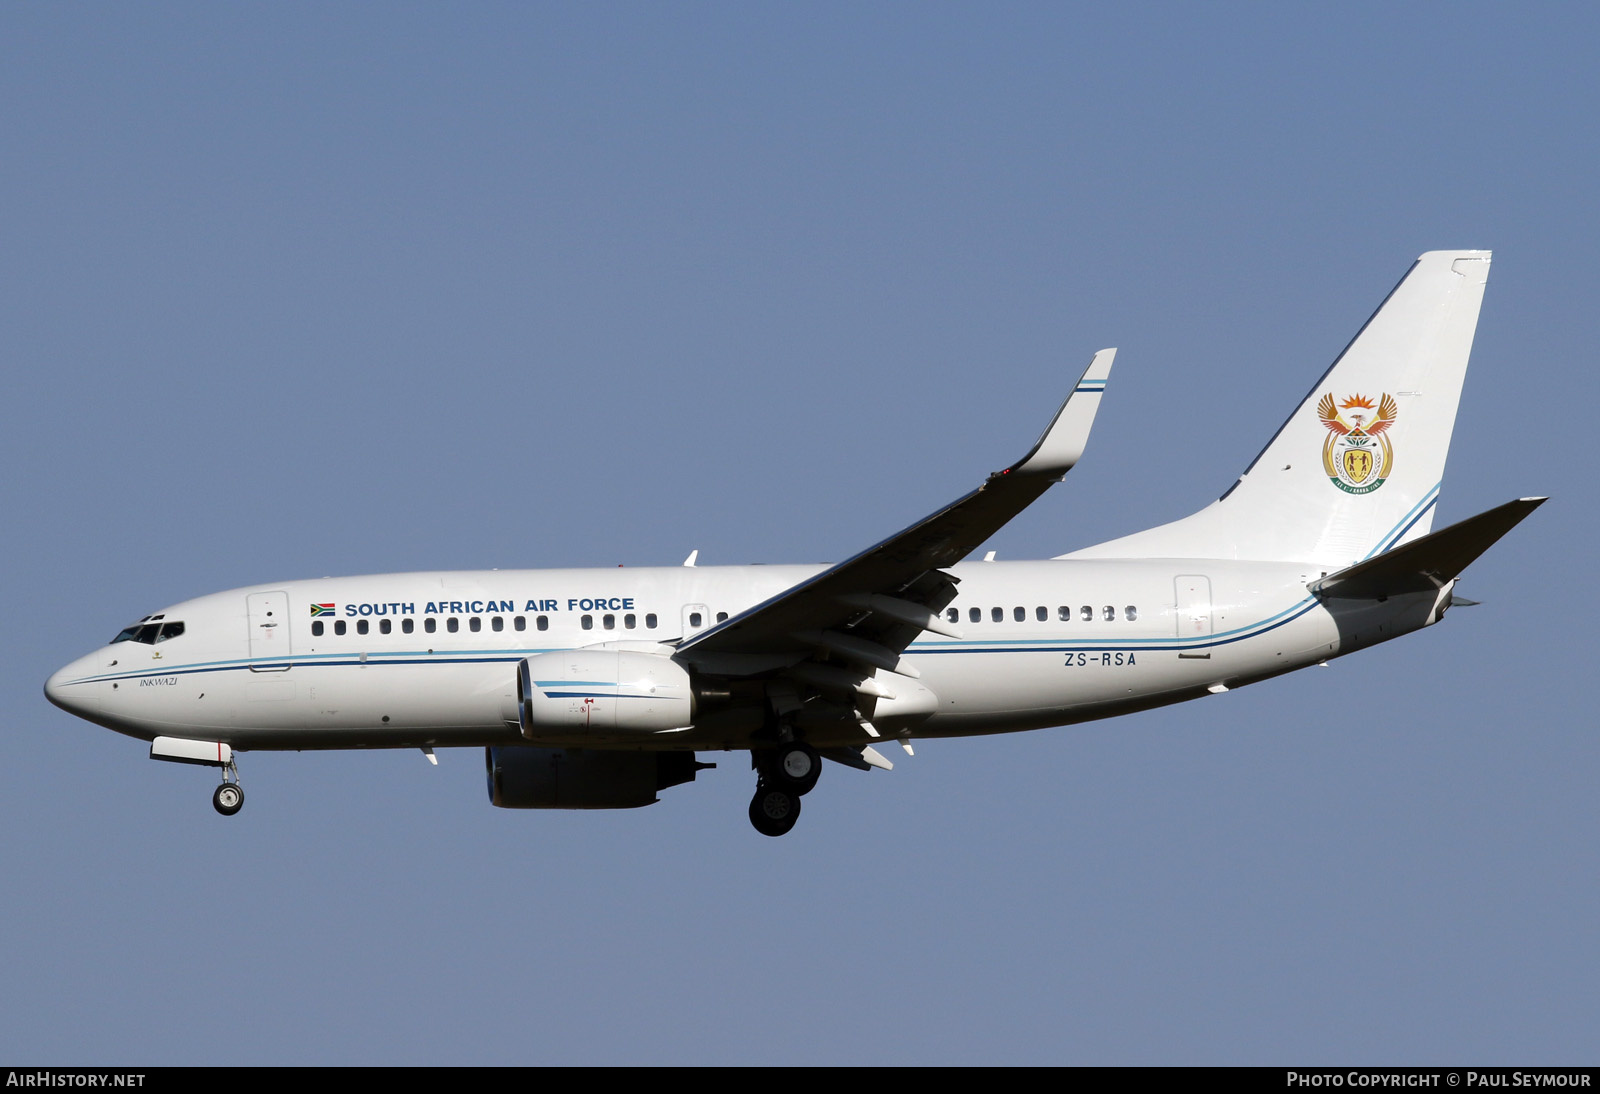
229	797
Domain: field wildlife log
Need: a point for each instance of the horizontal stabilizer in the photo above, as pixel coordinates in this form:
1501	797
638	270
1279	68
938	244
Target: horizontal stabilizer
1429	563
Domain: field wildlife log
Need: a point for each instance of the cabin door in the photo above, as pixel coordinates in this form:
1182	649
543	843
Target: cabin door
269	631
1194	613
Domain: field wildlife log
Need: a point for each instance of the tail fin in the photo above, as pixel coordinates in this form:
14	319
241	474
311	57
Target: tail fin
1356	469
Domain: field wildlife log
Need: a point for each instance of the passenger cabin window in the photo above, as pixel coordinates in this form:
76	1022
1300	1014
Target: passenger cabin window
1064	613
1088	614
361	626
385	626
997	614
722	617
650	621
694	619
316	628
543	622
452	624
1019	614
1130	613
1109	613
609	622
430	624
475	624
339	626
588	622
407	625
630	621
953	615
497	623
520	622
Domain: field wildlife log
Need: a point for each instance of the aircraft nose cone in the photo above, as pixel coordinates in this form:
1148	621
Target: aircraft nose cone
69	689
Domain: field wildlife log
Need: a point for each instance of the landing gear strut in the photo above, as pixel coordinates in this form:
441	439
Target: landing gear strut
229	797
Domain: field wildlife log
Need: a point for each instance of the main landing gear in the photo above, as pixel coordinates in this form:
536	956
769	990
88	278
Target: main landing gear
782	776
774	810
229	797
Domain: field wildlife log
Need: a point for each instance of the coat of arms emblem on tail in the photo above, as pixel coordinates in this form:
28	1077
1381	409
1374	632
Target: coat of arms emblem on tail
1357	454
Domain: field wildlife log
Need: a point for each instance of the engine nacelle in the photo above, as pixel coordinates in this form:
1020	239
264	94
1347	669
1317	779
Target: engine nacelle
603	692
522	777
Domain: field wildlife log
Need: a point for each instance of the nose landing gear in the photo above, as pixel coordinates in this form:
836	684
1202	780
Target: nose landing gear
229	797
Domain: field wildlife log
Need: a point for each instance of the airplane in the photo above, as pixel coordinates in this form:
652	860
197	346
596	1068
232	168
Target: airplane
595	689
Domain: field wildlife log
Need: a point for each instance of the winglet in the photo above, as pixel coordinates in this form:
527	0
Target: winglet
1063	443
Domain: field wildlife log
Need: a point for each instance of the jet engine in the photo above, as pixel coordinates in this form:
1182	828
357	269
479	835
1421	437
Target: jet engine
522	777
601	693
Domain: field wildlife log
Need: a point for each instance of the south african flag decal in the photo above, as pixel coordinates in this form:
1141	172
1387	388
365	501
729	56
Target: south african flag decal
321	609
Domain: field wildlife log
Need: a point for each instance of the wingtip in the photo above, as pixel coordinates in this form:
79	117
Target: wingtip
1063	441
1100	367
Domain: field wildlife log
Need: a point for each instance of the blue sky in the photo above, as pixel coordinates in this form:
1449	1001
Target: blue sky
299	290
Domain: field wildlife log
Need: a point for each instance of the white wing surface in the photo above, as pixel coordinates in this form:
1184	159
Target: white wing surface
860	614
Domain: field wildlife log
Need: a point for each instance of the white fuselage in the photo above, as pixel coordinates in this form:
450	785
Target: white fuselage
430	659
592	689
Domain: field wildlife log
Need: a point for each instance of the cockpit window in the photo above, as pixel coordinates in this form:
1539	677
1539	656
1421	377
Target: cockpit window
149	632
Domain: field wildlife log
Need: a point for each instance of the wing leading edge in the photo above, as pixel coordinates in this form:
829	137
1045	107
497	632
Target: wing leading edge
858	616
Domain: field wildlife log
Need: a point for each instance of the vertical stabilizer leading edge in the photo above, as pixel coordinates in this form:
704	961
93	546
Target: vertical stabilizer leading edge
1356	469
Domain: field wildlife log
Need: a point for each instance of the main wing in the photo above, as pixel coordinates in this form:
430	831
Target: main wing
833	632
